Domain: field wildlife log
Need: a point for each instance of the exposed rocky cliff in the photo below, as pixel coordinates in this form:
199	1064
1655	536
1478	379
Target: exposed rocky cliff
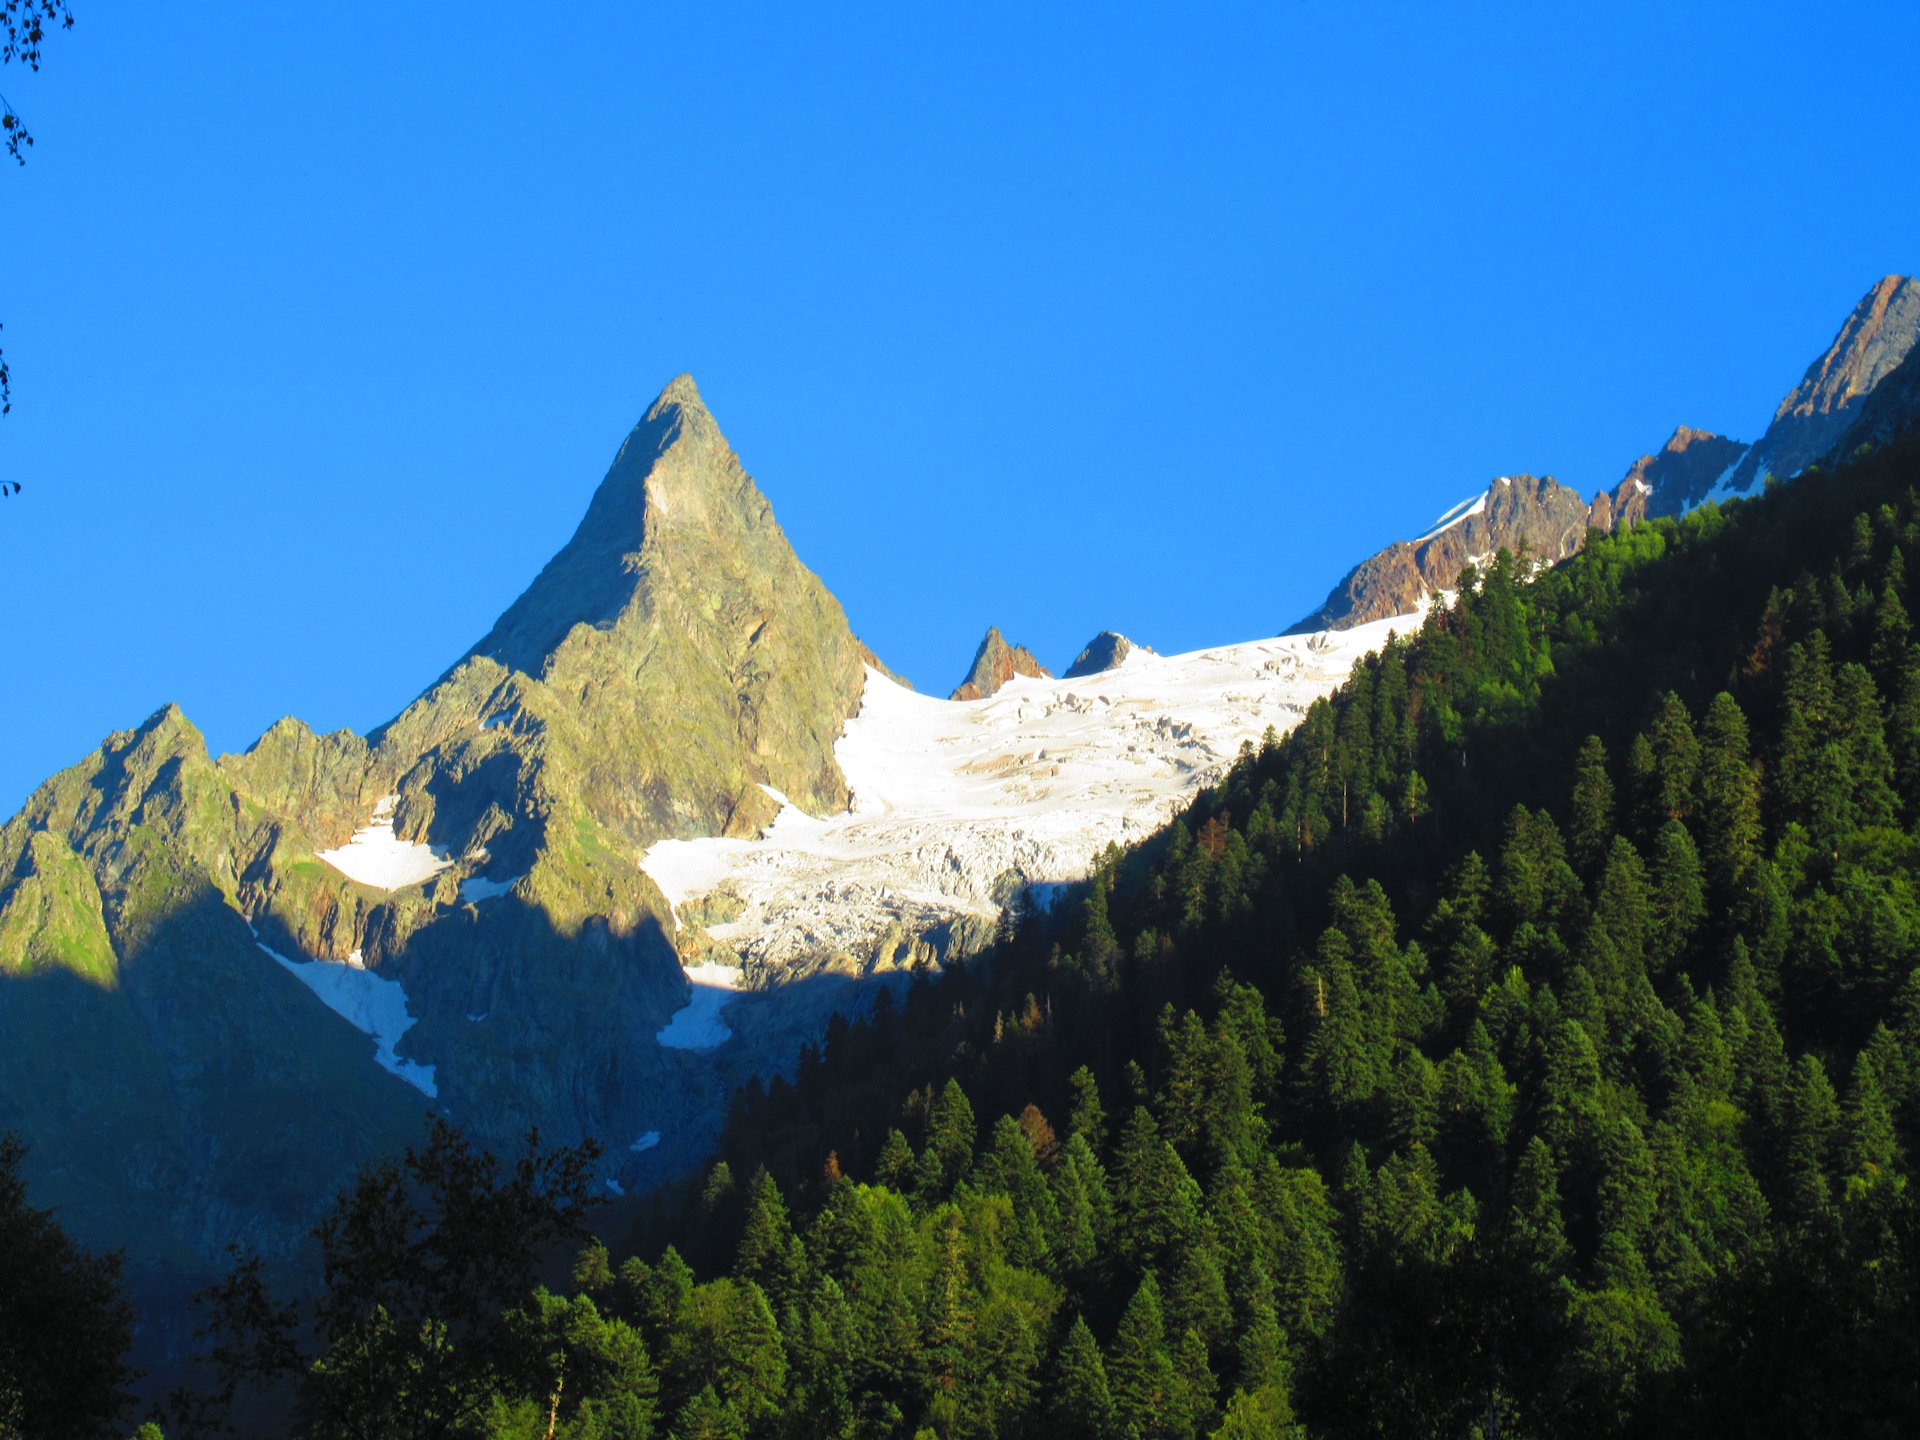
1891	410
1103	652
1539	518
1824	406
995	663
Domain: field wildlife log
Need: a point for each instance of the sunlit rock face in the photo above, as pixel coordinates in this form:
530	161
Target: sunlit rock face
1818	412
994	664
1522	513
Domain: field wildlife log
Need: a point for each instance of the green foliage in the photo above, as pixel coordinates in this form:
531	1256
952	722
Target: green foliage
65	1323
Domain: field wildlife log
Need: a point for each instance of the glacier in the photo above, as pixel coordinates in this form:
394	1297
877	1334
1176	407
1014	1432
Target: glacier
951	798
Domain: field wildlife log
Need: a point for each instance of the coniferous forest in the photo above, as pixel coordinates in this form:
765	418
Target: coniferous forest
1528	1044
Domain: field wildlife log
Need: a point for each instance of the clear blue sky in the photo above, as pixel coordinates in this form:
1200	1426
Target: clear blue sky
326	320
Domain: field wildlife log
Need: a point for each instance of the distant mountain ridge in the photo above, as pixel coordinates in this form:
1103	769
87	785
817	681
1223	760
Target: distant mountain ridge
1864	388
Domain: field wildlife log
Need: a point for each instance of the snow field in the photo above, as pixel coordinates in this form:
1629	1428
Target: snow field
949	796
376	856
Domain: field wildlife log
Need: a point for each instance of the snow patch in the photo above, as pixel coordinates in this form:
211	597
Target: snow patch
476	888
1722	489
1465	510
376	856
948	797
615	1186
372	1004
1642	486
646	1141
697	1024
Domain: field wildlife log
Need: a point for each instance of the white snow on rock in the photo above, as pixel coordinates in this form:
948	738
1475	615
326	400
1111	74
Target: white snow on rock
646	1141
371	1003
1460	513
949	796
376	856
478	888
697	1024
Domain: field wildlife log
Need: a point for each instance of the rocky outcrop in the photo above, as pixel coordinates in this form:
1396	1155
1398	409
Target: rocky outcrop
994	664
873	662
1105	651
1820	411
1535	517
1669	482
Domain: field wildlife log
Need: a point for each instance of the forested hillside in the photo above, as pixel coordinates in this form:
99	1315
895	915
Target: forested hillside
1523	1046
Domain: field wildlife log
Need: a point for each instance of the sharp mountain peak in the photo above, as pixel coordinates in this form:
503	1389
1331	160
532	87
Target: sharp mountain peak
994	664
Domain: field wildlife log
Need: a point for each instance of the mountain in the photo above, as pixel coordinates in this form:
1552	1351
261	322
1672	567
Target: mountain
1817	413
225	983
959	809
1517	512
1104	652
995	663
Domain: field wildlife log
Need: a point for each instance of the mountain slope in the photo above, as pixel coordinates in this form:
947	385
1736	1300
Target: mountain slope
1530	1034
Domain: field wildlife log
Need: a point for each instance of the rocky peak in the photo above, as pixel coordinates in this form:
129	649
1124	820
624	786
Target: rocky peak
994	664
1537	516
674	469
1105	651
1669	482
1879	334
671	664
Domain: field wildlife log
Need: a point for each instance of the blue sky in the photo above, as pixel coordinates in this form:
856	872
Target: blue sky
325	321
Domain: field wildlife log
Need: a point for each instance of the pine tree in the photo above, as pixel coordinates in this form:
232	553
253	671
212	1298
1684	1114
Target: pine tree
1676	762
1141	1372
1729	805
1082	1405
1590	832
769	1253
1679	895
897	1165
1085	1116
1085	1206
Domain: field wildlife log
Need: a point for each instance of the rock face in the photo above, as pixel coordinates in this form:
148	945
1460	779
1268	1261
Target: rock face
1890	411
995	663
670	669
1540	517
1669	482
1816	416
1105	651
